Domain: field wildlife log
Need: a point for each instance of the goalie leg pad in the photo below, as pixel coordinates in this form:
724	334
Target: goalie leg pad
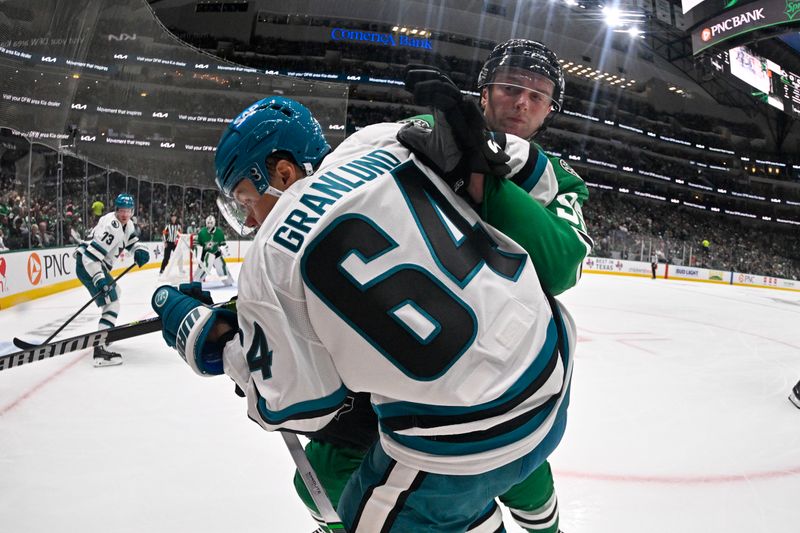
220	266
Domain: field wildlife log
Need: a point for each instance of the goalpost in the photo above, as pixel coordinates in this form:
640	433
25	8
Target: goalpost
182	262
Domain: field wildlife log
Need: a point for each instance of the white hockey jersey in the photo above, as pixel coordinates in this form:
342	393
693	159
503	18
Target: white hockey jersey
107	241
373	276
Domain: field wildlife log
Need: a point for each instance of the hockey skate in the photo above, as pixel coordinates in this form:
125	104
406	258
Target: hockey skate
103	357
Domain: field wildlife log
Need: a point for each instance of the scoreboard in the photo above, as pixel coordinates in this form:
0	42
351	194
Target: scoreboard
773	84
791	93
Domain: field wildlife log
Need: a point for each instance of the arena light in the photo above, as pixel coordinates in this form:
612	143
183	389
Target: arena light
612	16
634	32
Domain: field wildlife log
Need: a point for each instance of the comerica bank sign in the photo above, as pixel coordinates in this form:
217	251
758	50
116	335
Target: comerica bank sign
383	39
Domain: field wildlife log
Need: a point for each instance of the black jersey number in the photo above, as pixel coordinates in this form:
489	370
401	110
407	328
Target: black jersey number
406	313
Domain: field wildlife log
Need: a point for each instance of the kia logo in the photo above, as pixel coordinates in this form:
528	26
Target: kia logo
34	268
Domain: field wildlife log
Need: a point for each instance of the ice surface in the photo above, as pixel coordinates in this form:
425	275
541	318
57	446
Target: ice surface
679	422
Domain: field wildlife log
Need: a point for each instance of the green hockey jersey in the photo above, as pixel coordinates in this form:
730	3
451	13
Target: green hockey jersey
549	196
210	242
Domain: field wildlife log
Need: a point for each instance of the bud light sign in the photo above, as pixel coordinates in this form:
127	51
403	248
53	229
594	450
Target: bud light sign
383	39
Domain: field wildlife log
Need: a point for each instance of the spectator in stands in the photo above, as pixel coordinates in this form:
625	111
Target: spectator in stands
98	208
18	235
46	237
36	237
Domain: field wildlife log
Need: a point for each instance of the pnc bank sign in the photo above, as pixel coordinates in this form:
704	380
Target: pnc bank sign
383	39
739	21
47	266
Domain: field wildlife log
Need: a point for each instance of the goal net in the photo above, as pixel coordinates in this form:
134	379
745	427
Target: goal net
185	265
182	262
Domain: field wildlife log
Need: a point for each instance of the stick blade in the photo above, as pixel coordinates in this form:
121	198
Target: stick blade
22	345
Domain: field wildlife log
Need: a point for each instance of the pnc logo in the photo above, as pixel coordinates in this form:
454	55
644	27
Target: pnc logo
34	268
706	35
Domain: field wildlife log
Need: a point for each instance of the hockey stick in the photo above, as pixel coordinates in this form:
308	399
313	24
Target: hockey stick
80	342
312	483
89	340
27	345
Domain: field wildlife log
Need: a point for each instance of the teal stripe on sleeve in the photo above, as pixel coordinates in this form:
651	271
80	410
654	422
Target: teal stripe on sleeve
303	410
531	181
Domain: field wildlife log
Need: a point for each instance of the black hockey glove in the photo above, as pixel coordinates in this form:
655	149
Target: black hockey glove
458	144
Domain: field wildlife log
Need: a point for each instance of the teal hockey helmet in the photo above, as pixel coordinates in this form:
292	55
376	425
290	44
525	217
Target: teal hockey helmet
124	201
274	124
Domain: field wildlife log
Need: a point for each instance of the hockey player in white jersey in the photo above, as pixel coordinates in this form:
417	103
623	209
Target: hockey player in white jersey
95	257
372	275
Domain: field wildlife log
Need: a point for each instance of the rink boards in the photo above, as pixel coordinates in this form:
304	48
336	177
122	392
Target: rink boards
30	274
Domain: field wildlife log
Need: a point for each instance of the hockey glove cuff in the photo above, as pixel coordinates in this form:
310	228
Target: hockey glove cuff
186	324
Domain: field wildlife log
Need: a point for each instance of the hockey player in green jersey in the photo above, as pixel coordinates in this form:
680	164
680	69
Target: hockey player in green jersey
522	87
210	245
